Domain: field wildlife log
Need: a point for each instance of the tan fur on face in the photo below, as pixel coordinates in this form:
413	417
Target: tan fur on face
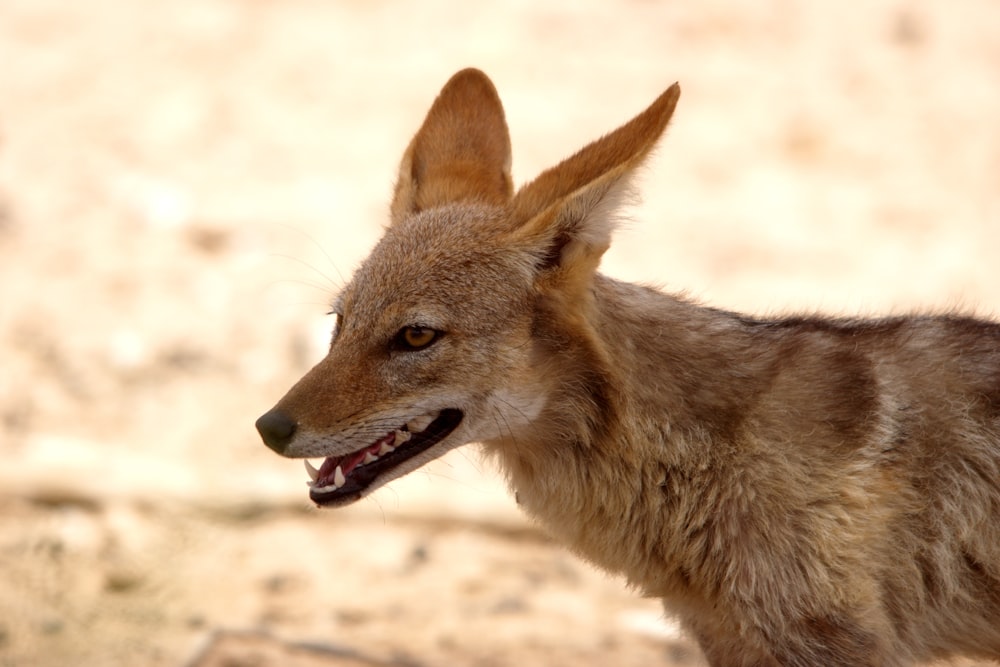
800	491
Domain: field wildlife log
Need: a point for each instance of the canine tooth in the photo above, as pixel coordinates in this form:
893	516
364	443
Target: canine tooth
401	437
385	449
338	477
418	424
311	469
369	458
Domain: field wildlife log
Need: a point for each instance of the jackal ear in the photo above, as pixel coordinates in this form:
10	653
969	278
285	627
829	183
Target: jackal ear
460	153
568	213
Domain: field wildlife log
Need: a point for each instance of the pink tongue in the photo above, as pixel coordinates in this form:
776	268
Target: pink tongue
349	462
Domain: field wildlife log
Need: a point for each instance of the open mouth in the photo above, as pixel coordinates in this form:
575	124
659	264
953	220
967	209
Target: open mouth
343	479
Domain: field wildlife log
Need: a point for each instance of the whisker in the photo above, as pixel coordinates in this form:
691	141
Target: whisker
319	247
332	284
381	509
472	460
305	283
510	431
309	237
464	483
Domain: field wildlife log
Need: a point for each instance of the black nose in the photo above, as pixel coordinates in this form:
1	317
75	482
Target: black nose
277	429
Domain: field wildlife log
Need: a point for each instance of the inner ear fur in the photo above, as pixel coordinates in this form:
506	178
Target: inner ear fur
461	153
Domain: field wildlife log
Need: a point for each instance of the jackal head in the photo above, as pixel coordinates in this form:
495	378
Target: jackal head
452	330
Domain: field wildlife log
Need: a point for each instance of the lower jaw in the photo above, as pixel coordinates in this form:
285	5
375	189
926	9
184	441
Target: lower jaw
336	499
365	478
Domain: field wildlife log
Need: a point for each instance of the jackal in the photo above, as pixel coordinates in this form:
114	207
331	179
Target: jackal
798	491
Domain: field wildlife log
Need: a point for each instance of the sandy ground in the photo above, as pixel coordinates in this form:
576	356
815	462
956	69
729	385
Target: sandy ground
184	184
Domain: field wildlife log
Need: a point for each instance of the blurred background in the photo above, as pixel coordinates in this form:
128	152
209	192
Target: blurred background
184	185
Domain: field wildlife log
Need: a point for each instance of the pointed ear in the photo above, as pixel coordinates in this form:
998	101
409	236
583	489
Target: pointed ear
460	153
567	214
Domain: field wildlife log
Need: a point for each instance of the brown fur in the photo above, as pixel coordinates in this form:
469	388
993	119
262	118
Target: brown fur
800	491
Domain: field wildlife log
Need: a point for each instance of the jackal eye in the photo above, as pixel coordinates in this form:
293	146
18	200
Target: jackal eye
414	337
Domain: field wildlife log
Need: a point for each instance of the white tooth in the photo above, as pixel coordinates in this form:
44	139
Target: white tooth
418	424
311	469
370	458
338	477
385	449
401	436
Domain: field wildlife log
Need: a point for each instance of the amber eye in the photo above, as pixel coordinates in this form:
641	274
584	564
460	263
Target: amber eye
415	337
